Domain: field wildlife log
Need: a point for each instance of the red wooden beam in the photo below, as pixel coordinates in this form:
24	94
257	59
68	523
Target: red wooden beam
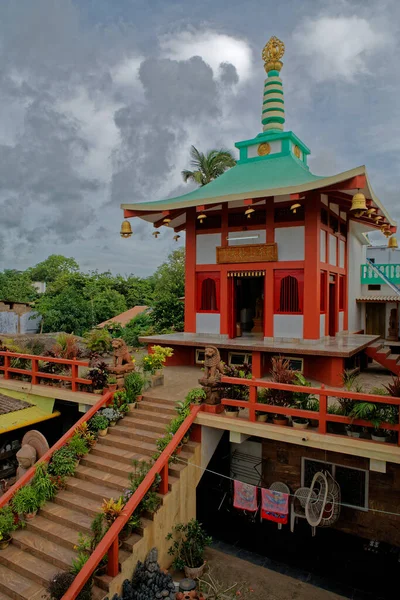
179	228
357	182
171	214
138	213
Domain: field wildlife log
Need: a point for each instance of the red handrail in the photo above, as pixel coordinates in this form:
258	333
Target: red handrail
109	543
5	498
34	372
322	416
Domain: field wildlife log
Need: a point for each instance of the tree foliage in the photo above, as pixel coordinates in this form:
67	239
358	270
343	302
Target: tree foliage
51	268
209	166
16	286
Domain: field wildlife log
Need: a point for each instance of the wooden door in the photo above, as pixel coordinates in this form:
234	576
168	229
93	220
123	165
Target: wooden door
376	319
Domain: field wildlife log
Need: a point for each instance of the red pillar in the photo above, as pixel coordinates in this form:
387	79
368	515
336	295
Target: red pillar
256	364
269	272
190	272
311	327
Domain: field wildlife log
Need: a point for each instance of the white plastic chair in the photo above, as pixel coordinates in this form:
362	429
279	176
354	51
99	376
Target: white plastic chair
279	486
297	510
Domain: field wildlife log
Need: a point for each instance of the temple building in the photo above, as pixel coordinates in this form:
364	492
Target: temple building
273	252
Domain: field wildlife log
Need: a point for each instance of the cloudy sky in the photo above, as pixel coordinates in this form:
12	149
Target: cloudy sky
100	101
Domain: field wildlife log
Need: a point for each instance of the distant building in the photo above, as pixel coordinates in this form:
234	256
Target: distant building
125	317
18	317
40	286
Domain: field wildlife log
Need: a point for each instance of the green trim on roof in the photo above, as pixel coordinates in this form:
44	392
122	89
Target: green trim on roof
273	120
268	83
273	108
274	100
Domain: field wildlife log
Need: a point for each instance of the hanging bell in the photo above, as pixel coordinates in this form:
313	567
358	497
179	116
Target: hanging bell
167	220
358	205
370	212
126	229
201	217
248	212
377	219
156	234
387	233
294	207
176	237
392	243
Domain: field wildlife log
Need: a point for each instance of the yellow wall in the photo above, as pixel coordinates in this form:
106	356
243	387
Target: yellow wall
179	506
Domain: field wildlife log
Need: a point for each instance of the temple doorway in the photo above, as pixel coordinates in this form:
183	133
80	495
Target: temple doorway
247	303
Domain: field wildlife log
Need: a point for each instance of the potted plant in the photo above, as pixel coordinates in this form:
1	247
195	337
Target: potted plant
25	502
98	374
111	384
299	423
376	414
189	543
99	424
281	373
303	401
262	398
111	415
112	509
7	525
153	364
63	462
134	384
234	391
195	396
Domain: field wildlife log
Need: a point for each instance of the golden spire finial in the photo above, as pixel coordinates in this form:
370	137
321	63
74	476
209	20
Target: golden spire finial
272	53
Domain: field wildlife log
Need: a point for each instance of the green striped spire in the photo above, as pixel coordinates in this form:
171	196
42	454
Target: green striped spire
273	110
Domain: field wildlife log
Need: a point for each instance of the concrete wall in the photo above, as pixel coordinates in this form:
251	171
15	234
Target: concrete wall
288	326
210	439
179	506
260	239
208	323
384	255
18	318
276	146
290	242
322	326
206	244
341	320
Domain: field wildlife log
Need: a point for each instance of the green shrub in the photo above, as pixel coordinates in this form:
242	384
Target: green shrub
25	500
98	340
61	582
43	484
189	543
139	326
78	446
63	462
7	524
134	383
98	422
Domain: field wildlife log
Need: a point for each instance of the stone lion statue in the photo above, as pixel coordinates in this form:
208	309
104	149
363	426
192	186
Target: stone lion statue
121	353
213	366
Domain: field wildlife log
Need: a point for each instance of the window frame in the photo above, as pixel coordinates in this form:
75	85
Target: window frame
342	293
200	278
364	508
279	275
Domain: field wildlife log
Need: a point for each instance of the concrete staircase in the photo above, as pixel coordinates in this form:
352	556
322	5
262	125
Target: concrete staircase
46	545
382	354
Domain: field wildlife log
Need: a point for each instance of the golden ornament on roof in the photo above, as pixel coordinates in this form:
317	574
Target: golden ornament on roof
264	149
272	53
126	229
156	234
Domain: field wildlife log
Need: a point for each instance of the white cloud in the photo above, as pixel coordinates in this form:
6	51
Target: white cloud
337	47
126	72
214	48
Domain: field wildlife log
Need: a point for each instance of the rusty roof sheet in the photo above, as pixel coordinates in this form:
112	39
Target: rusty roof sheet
8	405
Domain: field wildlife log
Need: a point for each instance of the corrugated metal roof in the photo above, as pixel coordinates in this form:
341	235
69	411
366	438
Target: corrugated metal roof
378	299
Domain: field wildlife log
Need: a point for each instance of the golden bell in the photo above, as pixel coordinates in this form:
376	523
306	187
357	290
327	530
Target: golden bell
370	212
156	234
358	204
126	229
387	233
392	243
201	217
176	237
378	218
167	220
294	207
248	212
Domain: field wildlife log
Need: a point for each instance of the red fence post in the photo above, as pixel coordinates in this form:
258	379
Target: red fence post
252	402
112	564
163	488
6	366
323	405
34	378
74	374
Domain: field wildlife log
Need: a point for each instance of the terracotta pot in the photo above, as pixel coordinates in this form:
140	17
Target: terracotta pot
262	418
5	542
139	398
232	414
194	572
103	432
298	425
280	421
113	423
131	406
30	515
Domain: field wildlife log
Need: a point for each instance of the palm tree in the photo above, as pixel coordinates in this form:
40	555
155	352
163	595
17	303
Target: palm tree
207	167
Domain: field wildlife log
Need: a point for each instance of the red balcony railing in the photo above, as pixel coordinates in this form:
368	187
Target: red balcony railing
109	543
36	375
322	415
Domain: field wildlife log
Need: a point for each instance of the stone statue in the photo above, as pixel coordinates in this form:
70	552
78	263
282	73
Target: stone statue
213	370
121	353
393	326
33	446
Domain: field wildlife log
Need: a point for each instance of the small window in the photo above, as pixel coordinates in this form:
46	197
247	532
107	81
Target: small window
289	292
342	294
208	285
200	355
323	292
374	287
353	482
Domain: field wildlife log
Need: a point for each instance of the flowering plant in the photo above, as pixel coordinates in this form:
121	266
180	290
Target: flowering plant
155	361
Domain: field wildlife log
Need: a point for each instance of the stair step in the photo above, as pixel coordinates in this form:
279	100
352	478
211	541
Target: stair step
69	517
98	476
114	453
147	415
133	539
376	345
77	502
394	357
382	354
162	409
128	444
17	586
164	401
134	432
60	534
94	491
27	565
45	549
148	424
106	465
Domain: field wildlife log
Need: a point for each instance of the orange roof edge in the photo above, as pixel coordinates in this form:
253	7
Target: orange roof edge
125	317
